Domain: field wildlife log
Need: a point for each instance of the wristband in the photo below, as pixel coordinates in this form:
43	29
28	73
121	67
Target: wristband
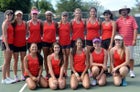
76	74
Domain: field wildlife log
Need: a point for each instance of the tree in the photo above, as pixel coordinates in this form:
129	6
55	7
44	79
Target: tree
23	5
136	9
68	5
43	5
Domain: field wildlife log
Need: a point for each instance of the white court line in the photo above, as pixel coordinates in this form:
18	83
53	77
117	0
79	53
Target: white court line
1	67
21	90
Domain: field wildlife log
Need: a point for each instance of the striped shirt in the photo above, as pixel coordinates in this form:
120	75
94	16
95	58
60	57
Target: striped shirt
126	27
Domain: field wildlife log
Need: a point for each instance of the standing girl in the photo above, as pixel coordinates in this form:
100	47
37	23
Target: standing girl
7	46
79	66
98	63
93	28
34	27
64	37
78	27
108	31
119	55
19	42
49	36
33	64
56	68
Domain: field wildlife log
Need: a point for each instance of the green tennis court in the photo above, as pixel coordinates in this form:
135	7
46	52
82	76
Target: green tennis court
133	83
133	86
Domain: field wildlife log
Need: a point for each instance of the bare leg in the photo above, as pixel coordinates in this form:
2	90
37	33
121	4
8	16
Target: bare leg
31	84
15	66
73	82
86	81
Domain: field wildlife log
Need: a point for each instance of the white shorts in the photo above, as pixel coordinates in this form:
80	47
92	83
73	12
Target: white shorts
131	50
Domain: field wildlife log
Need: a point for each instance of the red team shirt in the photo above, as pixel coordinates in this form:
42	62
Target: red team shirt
79	62
64	34
34	32
117	59
10	34
49	32
92	30
33	66
20	35
78	30
55	65
106	31
98	57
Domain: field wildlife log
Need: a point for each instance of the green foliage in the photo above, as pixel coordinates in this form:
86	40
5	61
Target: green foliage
68	5
43	5
23	5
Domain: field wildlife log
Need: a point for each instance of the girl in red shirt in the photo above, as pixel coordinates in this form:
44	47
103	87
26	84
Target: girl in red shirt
19	42
108	30
33	64
34	28
64	37
78	27
49	36
79	66
7	46
93	27
98	63
56	67
119	56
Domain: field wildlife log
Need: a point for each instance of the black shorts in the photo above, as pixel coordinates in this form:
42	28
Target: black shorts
100	69
57	76
3	47
39	45
66	46
89	43
117	71
46	44
20	49
80	73
73	43
106	43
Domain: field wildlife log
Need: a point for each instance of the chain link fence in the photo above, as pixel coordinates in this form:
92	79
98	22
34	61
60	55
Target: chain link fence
57	17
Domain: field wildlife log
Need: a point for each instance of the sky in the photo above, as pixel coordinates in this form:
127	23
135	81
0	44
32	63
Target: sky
110	4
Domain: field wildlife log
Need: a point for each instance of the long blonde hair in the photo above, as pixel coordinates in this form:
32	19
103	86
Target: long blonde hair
78	9
122	53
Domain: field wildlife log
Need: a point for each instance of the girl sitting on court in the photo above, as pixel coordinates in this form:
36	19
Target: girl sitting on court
56	68
98	63
79	66
33	64
119	55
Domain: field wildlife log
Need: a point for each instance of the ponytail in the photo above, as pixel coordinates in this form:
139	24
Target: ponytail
40	59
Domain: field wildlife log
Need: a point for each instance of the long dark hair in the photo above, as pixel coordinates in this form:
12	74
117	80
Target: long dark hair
39	56
108	12
75	47
94	9
60	54
14	23
92	49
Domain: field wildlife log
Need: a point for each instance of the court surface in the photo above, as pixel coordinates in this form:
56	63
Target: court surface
133	86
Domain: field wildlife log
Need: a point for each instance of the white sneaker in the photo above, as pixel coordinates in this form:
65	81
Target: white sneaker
5	81
16	79
93	82
132	75
10	79
22	78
